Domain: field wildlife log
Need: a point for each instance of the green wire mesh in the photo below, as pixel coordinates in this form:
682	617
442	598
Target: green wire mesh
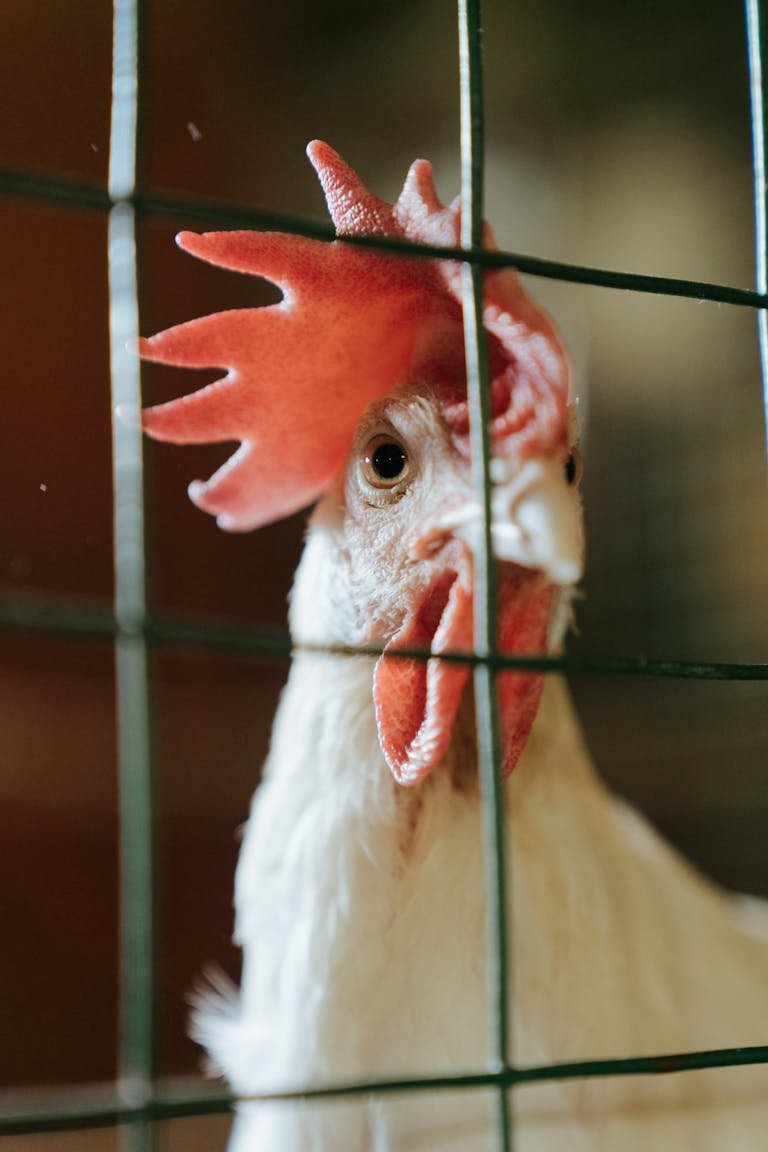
139	1100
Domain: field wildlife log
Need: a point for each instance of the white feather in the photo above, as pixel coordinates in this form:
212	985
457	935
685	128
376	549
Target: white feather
360	911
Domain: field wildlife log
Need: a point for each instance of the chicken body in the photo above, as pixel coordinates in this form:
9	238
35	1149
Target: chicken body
360	902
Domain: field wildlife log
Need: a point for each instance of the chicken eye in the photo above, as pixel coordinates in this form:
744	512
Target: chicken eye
384	462
573	467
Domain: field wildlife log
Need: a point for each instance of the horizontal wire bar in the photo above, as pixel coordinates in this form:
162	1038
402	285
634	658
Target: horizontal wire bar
67	190
80	1115
81	194
512	1076
27	614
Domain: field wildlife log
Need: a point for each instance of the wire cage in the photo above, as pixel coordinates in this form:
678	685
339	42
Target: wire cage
145	626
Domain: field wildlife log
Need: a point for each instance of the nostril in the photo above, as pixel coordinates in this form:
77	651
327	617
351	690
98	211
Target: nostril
426	542
437	530
436	542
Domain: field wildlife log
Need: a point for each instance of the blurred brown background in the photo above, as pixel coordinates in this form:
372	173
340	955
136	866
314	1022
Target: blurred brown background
617	136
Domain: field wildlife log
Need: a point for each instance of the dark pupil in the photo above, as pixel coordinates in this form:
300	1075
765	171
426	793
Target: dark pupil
388	461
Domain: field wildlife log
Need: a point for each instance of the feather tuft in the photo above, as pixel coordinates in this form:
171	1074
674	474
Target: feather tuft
215	1017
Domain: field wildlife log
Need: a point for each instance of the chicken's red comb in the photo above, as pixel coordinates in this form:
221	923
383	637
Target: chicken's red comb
352	325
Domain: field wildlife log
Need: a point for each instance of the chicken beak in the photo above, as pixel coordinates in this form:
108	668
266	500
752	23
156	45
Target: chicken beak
535	519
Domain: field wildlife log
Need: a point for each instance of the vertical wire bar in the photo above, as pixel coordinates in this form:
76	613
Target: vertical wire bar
755	39
470	71
137	996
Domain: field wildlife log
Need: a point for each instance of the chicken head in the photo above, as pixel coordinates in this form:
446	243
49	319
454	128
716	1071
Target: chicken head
363	360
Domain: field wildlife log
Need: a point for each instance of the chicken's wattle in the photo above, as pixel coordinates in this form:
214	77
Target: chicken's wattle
417	700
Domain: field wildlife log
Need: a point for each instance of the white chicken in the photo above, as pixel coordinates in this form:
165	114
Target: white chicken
359	891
